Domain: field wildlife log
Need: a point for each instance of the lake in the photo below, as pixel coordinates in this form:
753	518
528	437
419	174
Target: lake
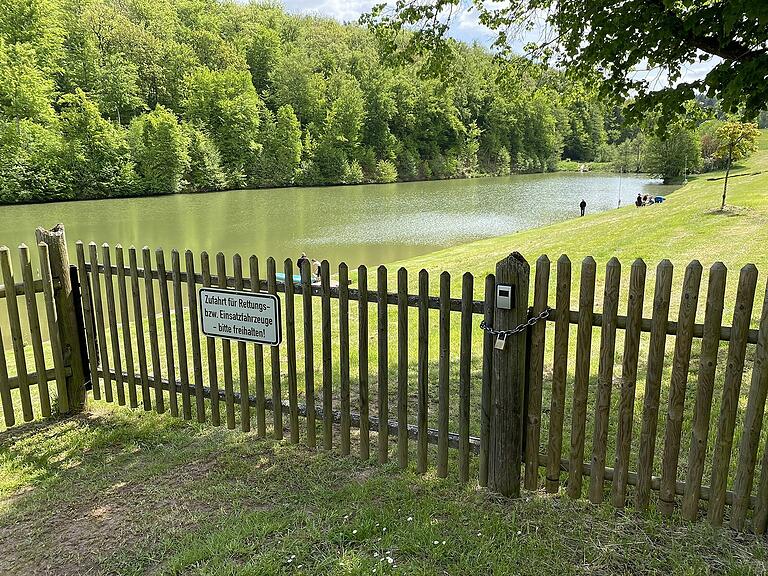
366	224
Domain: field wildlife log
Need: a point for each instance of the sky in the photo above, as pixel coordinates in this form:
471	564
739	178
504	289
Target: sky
464	27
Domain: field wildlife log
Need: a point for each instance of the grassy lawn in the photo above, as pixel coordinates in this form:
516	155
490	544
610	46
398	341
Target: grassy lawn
125	492
119	492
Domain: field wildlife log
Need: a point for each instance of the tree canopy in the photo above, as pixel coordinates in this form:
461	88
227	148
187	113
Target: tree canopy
626	46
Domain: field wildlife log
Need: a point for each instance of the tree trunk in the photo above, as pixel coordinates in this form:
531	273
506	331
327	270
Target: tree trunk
727	172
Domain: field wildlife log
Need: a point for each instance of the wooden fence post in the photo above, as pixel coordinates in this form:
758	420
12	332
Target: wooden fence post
70	325
508	380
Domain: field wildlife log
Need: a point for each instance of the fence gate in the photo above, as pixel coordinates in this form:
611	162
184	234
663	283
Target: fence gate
48	303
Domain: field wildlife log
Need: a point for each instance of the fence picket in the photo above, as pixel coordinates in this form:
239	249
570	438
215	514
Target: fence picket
125	324
194	330
626	407
258	359
53	330
581	381
210	348
710	344
100	324
165	306
536	375
181	336
242	356
290	337
444	368
344	391
678	384
465	373
423	372
114	337
605	379
274	355
88	320
325	285
139	322
721	458
33	316
362	360
661	297
9	414
154	343
753	424
485	394
559	373
382	373
309	352
402	367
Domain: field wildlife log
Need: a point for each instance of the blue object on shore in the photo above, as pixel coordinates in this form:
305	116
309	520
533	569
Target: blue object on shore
280	277
659	199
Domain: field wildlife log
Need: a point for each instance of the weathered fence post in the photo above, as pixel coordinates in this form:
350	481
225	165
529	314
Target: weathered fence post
69	321
508	377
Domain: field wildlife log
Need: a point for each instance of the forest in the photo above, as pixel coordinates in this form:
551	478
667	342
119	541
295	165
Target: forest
115	98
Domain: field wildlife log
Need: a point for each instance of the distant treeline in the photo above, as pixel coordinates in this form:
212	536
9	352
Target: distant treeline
103	98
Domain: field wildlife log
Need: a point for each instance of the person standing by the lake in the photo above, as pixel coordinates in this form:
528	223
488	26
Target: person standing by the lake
300	262
583	206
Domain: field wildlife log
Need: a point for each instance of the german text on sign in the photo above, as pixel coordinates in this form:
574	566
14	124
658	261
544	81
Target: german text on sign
247	316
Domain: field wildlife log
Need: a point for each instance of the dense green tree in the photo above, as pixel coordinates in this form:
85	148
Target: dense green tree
159	149
204	172
673	155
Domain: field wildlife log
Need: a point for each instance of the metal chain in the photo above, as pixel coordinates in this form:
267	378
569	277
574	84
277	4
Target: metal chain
543	315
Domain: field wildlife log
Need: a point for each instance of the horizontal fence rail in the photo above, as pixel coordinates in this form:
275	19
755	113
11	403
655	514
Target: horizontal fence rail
670	404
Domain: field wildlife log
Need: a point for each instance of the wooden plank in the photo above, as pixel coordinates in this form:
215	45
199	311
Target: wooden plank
274	353
721	458
125	324
181	335
536	378
112	319
423	373
138	320
290	337
382	373
559	373
325	284
194	331
402	367
626	407
88	320
36	336
710	344
750	435
226	350
9	414
653	376
344	357
154	341
210	348
485	394
362	361
258	359
444	374
98	307
465	373
605	379
165	306
51	314
242	355
581	380
309	352
508	383
677	386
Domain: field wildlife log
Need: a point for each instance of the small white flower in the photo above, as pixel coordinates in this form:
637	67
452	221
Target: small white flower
410	518
435	542
384	529
443	542
375	554
354	531
390	560
519	532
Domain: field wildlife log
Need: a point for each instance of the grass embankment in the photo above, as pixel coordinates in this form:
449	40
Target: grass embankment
135	493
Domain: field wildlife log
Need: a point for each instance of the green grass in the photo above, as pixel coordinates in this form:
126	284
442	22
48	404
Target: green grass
118	492
572	166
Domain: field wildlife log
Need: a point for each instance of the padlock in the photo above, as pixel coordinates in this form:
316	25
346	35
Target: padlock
501	340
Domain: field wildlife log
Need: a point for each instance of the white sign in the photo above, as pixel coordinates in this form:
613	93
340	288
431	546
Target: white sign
248	316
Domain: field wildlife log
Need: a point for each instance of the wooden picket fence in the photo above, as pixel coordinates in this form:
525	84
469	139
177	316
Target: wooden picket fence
56	359
144	347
